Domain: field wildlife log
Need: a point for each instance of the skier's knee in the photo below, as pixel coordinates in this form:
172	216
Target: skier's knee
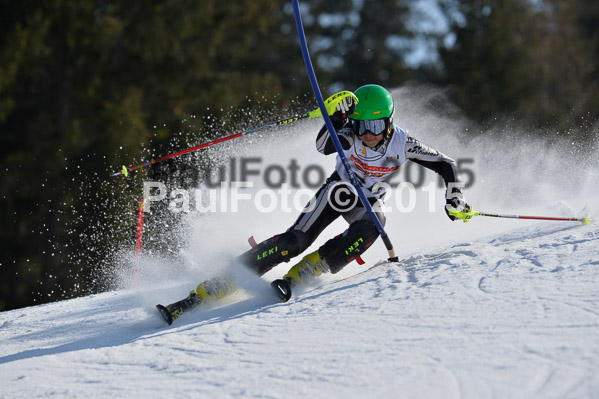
345	248
271	252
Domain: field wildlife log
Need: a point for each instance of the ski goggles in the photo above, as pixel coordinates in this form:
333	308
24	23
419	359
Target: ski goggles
375	127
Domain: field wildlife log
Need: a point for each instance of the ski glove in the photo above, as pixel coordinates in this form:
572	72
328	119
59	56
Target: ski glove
456	200
347	106
344	109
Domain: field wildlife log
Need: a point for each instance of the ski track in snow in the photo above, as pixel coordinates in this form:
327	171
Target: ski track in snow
515	315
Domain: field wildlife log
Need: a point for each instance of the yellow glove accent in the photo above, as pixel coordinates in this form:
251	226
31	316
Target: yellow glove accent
465	216
332	102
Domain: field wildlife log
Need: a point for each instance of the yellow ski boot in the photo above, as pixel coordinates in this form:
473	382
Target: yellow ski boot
214	289
309	267
209	290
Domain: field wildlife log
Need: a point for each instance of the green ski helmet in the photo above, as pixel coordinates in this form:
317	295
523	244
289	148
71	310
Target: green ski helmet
374	104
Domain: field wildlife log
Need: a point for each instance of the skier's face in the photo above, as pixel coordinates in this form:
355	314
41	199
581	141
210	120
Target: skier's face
371	140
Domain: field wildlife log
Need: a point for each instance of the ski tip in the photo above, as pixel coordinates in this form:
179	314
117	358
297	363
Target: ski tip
586	220
165	314
282	289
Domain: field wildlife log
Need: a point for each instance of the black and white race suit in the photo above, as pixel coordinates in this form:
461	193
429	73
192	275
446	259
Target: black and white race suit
337	197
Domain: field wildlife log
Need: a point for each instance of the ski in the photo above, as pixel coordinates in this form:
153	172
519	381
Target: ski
282	289
166	315
172	312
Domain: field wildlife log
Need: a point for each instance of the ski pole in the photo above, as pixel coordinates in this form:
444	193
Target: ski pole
466	216
331	105
316	89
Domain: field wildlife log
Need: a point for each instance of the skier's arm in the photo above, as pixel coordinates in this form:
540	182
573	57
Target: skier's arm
432	159
324	142
444	166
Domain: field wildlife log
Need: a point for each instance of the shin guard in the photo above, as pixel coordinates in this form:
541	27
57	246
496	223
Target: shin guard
271	252
346	247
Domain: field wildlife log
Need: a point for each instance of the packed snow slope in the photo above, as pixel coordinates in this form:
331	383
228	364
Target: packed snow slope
493	308
515	315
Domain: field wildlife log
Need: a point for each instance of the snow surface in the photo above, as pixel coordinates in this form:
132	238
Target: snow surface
516	315
487	309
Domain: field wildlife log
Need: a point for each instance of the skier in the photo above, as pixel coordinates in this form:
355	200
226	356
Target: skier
375	148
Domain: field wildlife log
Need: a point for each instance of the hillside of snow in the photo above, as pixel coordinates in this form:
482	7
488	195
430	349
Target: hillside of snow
493	308
515	315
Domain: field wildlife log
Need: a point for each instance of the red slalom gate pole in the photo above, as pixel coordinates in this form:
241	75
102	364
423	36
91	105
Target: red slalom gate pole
140	231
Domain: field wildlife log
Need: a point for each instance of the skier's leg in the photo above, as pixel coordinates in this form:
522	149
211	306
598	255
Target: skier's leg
261	259
317	215
353	242
341	250
216	288
209	290
273	251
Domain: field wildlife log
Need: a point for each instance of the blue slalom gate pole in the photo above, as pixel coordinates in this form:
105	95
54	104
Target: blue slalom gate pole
354	181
